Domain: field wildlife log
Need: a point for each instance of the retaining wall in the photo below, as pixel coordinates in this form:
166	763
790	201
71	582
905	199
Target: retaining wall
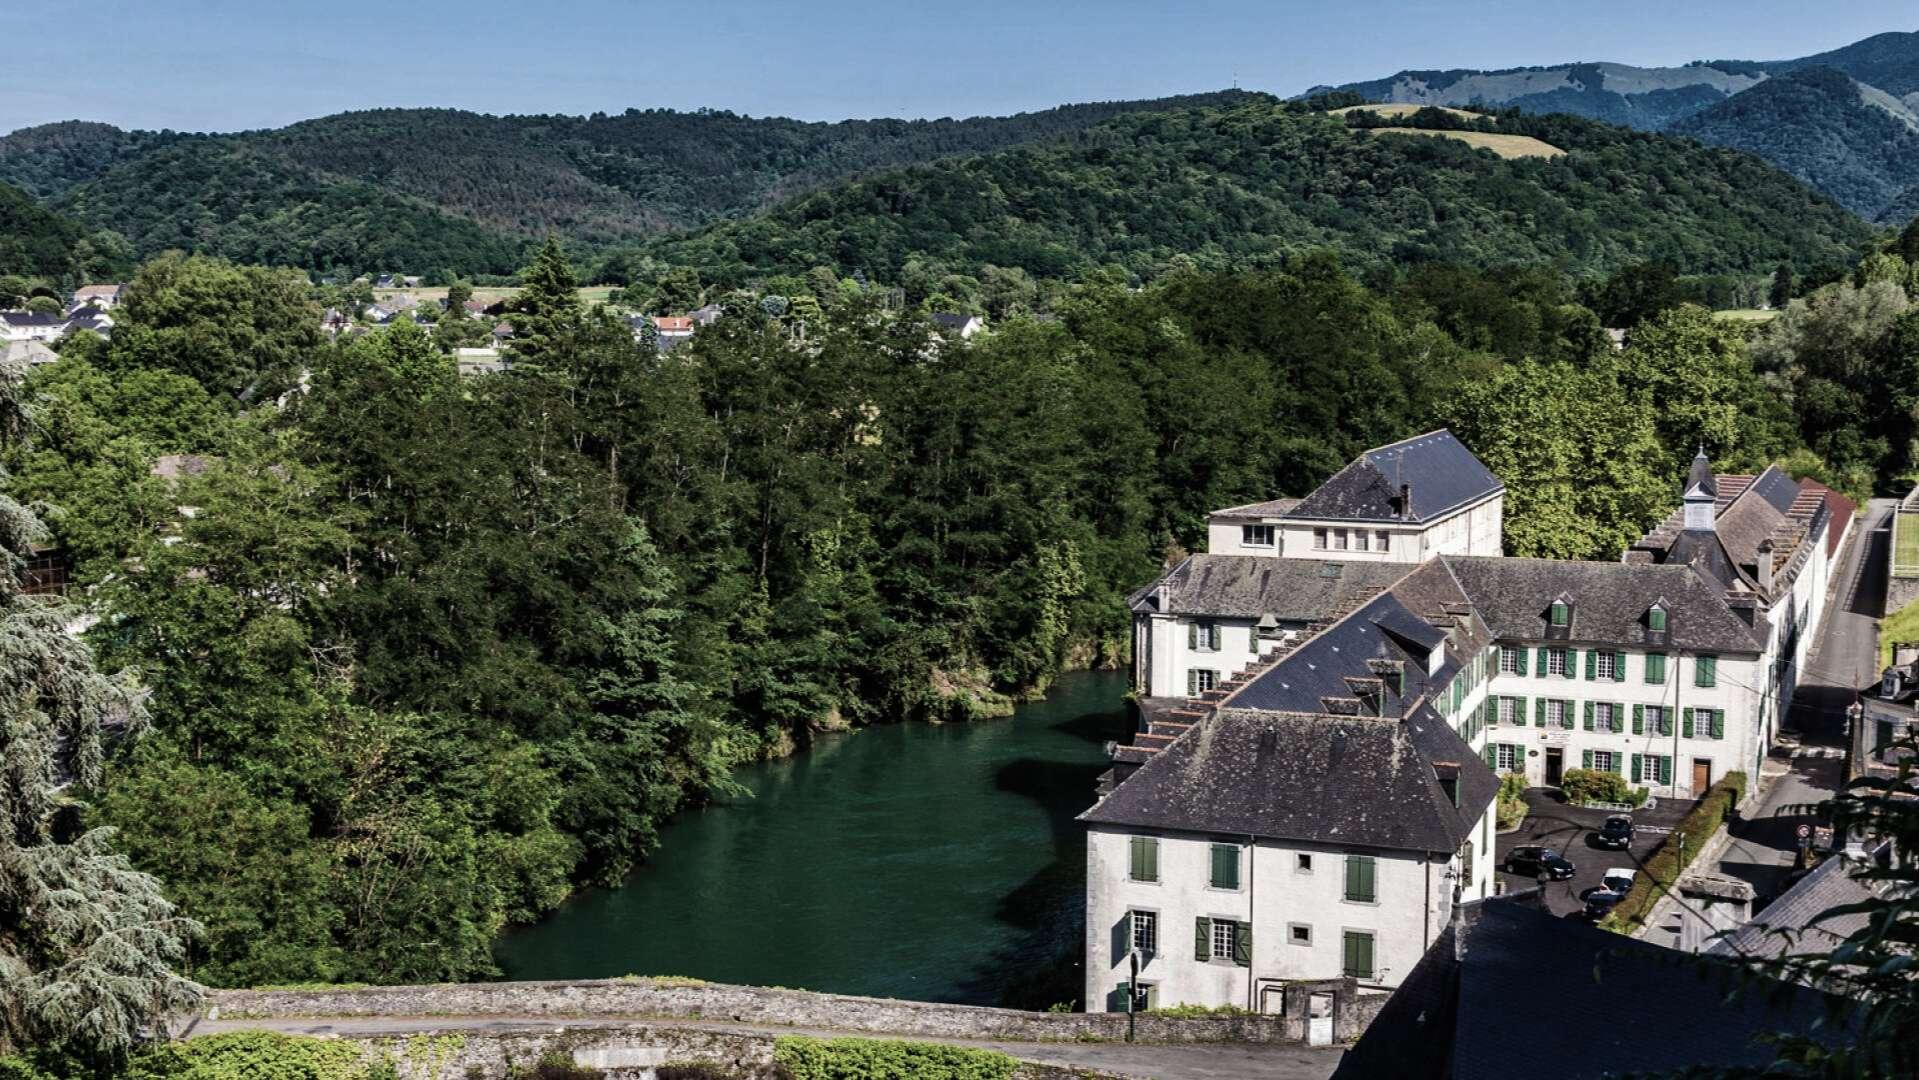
641	998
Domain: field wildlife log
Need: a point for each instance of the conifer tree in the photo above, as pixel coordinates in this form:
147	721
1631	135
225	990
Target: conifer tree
86	941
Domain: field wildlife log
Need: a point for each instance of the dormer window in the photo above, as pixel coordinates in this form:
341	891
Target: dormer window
1561	613
1656	619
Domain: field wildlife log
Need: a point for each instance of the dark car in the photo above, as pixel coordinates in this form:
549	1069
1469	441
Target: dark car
1534	861
1600	902
1616	833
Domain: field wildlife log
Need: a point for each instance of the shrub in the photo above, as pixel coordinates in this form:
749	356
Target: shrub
556	1066
255	1055
1591	785
887	1059
1197	1012
1509	809
1656	877
706	1070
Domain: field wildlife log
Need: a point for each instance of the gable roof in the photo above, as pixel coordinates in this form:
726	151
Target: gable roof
1590	1004
947	320
1791	924
32	318
1440	472
1367	781
1271	508
1749	511
1609	603
1250	586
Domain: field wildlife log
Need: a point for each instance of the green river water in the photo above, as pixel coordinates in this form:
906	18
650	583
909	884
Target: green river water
937	862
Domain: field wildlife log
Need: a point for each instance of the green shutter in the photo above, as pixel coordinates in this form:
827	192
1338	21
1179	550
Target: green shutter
1638	767
1718	723
1618	717
1192	635
1542	660
1202	939
1638	719
1706	671
1192	682
1213	630
1685	722
1589	716
1225	871
1358	959
1592	663
1521	650
1243	944
1665	769
1618	666
1539	712
1655	667
1585	759
1492	759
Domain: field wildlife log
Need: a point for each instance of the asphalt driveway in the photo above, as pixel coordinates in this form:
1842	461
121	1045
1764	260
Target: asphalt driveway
1570	830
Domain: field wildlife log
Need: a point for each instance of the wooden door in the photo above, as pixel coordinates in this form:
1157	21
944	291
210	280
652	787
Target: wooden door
1701	775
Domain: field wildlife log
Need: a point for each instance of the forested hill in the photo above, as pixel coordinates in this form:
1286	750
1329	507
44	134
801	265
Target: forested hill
1826	129
1248	185
596	180
33	242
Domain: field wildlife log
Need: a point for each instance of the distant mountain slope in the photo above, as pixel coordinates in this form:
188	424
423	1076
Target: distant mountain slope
34	242
1823	128
1639	97
1249	185
1887	61
493	181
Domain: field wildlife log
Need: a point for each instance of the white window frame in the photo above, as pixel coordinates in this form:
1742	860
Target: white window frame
1556	713
1362	540
1205	679
1657	716
1509	757
1506	711
1145	925
1341	540
1558	661
1382	540
1508	660
1249	536
1603	761
1320	542
1604	664
1225	932
1603	718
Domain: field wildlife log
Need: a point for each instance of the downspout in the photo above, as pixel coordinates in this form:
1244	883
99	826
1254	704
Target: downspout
1252	914
1678	687
1426	915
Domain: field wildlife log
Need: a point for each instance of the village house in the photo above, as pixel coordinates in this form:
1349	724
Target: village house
32	326
103	297
29	353
1263	672
964	326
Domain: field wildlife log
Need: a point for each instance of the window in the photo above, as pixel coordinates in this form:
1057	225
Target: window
1200	680
1651	769
1558	715
1203	636
1510	711
1339	539
1556	662
1225	869
1507	757
1705	671
1656	667
1303	863
1508	660
1605	664
1146	932
1561	614
1359	879
1603	716
1224	931
1659	719
1299	933
1358	955
1319	539
1383	540
1142	997
1656	620
1256	536
1144	862
1362	540
1605	761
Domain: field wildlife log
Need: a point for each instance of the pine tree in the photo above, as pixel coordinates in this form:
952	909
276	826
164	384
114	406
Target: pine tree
1782	288
85	940
548	308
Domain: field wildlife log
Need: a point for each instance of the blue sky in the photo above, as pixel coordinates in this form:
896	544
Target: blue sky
225	64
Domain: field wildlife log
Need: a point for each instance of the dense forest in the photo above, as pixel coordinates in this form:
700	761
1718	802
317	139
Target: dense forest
1252	185
427	653
1815	124
34	243
426	190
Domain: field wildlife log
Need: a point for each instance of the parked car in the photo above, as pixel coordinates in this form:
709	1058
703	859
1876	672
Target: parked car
1535	860
1616	833
1600	902
1616	880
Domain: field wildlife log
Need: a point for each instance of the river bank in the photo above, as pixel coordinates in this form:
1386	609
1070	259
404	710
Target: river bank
937	862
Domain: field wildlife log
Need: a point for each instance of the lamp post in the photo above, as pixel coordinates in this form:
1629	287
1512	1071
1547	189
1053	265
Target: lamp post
1132	991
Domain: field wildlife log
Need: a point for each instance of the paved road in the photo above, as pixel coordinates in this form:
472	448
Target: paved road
1570	830
1204	1061
1845	656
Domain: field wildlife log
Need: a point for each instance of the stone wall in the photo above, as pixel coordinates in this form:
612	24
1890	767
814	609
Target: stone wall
1901	589
662	999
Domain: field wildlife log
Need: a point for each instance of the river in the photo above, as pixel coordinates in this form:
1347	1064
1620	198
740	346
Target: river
937	862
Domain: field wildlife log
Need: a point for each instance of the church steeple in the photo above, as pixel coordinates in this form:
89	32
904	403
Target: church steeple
1700	493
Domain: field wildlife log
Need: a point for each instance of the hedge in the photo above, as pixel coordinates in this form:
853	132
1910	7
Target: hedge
1655	879
808	1058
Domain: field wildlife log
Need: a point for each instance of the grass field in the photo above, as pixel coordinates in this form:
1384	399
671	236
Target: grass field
595	294
1901	625
1395	111
1506	146
1756	315
1905	538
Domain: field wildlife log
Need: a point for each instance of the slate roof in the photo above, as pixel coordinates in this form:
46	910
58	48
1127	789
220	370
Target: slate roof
1749	511
1259	511
1609	603
947	320
1513	991
1699	477
1367	781
1441	472
27	352
32	318
1790	925
1249	586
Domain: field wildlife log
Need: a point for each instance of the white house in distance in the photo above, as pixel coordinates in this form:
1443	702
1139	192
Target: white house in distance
1358	718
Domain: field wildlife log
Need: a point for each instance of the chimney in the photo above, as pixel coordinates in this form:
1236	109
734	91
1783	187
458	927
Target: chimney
1743	605
1765	566
1405	500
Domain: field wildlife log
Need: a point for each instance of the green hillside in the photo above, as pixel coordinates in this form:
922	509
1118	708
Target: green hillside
33	242
1247	186
430	189
1814	124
